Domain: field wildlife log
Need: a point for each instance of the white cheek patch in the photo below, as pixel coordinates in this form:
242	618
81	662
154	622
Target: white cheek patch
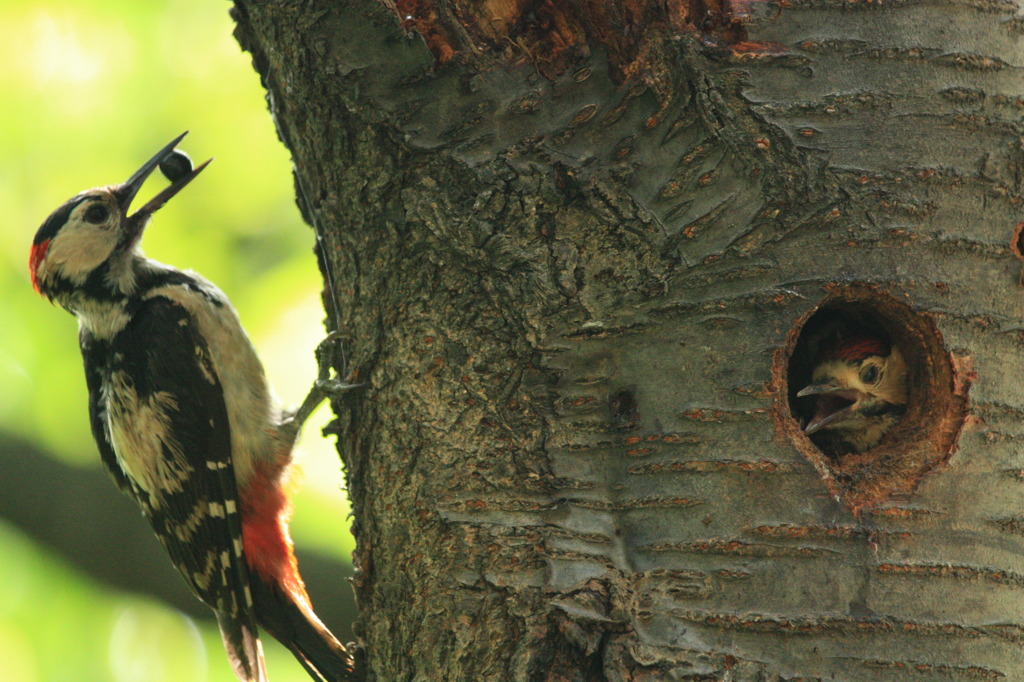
78	250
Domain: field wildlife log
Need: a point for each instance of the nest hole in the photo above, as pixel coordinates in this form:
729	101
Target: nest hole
926	431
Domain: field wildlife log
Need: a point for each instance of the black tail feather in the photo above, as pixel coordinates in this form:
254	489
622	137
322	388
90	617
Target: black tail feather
242	643
294	624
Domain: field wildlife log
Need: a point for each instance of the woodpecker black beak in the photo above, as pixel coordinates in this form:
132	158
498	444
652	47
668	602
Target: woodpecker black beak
834	404
127	191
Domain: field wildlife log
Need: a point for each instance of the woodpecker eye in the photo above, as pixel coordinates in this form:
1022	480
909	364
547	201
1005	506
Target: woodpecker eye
869	374
97	213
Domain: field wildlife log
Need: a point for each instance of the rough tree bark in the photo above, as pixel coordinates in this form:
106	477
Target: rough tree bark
578	249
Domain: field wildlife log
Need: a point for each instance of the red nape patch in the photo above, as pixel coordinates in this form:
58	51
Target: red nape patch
265	538
35	257
859	348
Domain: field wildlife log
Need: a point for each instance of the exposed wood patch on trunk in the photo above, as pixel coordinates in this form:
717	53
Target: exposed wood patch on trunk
552	35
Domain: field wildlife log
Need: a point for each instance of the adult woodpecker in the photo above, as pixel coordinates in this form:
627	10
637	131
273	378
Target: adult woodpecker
185	420
859	387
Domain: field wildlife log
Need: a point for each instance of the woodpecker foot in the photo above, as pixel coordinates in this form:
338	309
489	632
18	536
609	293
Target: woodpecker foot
327	351
333	388
330	353
325	385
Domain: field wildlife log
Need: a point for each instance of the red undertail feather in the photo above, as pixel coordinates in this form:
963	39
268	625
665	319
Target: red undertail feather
265	537
35	257
282	605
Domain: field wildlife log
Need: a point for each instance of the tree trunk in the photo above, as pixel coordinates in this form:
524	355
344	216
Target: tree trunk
581	251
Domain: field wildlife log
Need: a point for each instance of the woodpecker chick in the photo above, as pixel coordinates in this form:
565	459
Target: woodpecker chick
859	387
184	418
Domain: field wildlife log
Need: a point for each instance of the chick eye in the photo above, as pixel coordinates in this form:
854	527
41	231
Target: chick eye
869	374
97	213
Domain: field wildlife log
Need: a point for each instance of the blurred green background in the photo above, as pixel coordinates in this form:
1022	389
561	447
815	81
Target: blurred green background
89	90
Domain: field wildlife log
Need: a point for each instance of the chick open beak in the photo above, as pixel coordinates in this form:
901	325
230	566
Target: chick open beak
834	403
127	191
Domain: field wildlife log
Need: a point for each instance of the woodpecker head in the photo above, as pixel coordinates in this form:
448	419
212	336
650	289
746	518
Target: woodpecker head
859	387
89	242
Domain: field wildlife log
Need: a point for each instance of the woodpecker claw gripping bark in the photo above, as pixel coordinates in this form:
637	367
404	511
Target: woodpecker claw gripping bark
184	418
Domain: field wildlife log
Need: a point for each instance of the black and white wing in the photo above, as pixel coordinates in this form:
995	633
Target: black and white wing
96	354
163	416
